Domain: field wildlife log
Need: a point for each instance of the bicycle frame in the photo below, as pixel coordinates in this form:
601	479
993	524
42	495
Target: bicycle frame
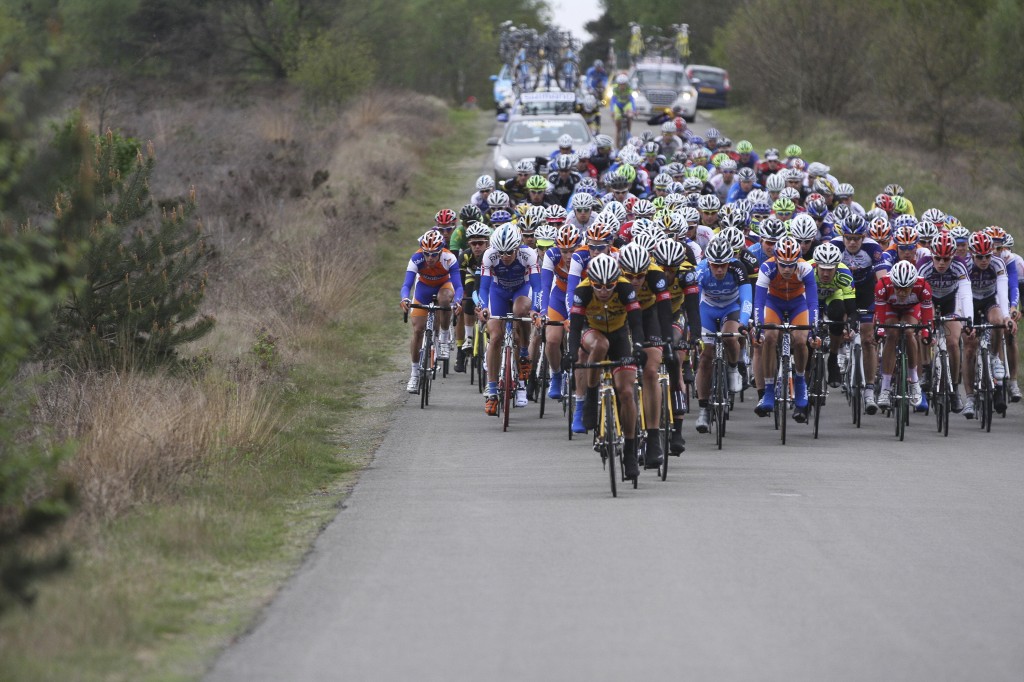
608	436
784	370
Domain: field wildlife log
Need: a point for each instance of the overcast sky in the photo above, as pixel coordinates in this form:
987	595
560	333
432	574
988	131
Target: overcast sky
572	14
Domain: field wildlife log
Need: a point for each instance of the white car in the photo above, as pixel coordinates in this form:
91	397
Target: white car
535	137
662	84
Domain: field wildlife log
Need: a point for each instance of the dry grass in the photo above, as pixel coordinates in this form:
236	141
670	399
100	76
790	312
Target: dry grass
139	435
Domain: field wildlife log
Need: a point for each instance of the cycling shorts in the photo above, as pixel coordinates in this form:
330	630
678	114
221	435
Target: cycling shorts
711	314
500	299
776	309
557	311
945	306
424	294
982	307
619	347
865	296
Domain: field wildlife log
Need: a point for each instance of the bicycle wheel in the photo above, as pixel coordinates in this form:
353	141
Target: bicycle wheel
508	387
940	397
782	401
817	388
424	387
723	383
986	392
611	444
543	381
857	388
665	431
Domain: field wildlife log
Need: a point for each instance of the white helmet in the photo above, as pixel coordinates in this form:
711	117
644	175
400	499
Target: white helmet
634	258
903	274
803	227
668	127
669	253
525	166
507	238
827	255
485	182
582	200
564	141
775	182
733	236
603	269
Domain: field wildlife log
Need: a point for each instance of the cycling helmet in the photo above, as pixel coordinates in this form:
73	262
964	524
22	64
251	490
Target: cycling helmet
696	141
844	190
589	103
601	231
627	172
622	79
565	141
712	134
500	217
528	224
484	183
775	182
470	213
790	193
587	183
641	225
618	182
803	227
690	214
951	222
980	244
507	237
718	251
901	220
646	241
699	172
598	64
827	255
824	186
477	229
903	274
1008	244
718	159
709	202
525	166
446	218
733	220
724	143
538	213
662	181
602	269
556	215
568	237
854	224
943	245
784	206
432	240
794	175
728	166
771	229
650	149
758	196
692	184
760	208
997	234
498	199
905	236
960	234
926	232
603	141
668	127
841	213
733	236
616	210
643	208
884	202
746	174
537	183
794	150
744	147
669	253
879	229
817	208
546	235
787	250
900	205
582	200
893	190
818	169
672	223
565	162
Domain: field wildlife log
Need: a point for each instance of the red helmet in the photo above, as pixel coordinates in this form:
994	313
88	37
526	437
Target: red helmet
884	202
943	246
980	244
446	218
432	240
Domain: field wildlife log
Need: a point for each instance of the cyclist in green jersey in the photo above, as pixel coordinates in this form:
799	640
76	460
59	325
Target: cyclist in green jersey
837	301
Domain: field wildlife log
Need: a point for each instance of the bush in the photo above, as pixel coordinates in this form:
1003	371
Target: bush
331	68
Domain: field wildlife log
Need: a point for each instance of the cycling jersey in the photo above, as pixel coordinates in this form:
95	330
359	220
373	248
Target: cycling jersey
953	284
725	299
839	289
889	305
431	277
597	80
736	192
989	286
622	107
578	269
867	260
606	316
554	275
776	297
562	187
500	284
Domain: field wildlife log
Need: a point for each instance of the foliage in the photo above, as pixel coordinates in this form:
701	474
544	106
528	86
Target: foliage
330	67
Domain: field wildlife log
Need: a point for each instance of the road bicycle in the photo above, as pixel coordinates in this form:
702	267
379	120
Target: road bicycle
608	438
666	407
477	371
508	377
941	386
428	352
540	377
985	384
853	369
817	376
720	402
784	370
899	401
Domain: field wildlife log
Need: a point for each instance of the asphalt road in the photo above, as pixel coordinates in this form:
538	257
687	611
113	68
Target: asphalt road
465	553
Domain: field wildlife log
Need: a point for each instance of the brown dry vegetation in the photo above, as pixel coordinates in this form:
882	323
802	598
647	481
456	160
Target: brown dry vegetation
294	205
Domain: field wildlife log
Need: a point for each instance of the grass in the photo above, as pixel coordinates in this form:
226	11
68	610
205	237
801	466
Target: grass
167	576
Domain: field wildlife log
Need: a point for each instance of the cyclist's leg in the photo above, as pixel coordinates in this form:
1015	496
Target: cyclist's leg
500	304
553	335
865	295
652	389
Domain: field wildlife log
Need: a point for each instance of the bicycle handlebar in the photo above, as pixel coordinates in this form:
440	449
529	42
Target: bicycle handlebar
785	326
602	364
430	306
902	325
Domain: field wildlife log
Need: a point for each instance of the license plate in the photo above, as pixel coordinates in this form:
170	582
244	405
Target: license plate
708	91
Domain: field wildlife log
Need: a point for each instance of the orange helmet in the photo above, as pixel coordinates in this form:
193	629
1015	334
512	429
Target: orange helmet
787	250
568	237
432	240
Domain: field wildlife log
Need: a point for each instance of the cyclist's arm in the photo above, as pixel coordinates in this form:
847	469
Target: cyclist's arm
927	307
761	294
485	284
691	302
410	279
456	280
577	318
745	304
1012	284
811	292
536	287
1001	294
964	298
547	280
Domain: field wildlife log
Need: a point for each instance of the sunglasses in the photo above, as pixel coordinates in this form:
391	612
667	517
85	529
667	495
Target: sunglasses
786	266
980	257
597	247
603	287
478	243
583	210
853	237
709	212
432	254
907	247
504	254
940	259
444	229
537	191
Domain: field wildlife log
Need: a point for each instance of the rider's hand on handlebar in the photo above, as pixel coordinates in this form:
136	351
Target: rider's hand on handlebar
1011	326
405	305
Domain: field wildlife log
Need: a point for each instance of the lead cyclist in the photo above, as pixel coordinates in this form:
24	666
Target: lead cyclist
623	107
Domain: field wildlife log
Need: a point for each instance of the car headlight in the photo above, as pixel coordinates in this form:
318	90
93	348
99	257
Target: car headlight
504	163
687	96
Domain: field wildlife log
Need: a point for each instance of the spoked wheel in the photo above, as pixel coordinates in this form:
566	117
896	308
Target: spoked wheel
612	445
507	388
940	398
543	382
782	401
569	400
665	432
424	387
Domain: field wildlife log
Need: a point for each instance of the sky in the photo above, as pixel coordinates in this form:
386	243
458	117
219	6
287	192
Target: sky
572	14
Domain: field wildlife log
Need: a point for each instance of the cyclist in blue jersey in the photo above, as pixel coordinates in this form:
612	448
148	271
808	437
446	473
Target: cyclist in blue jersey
726	305
509	282
597	79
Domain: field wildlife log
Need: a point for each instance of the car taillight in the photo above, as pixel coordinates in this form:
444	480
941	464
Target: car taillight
726	82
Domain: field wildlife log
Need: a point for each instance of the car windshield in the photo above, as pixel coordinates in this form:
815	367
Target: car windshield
545	130
660	79
714	78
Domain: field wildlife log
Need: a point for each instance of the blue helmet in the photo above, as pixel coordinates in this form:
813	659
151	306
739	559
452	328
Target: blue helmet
500	217
854	224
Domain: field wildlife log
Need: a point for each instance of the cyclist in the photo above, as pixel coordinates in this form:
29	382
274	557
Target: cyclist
747	156
478	237
786	289
445	221
484	187
655	300
805	231
902	296
590	110
563	181
554	280
537	191
745	183
770	166
793	154
468	215
951	295
597	79
509	282
623	105
515	188
670	143
989	285
725	304
605	311
723	182
602	158
864	258
434	270
564	148
836	301
1014	263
